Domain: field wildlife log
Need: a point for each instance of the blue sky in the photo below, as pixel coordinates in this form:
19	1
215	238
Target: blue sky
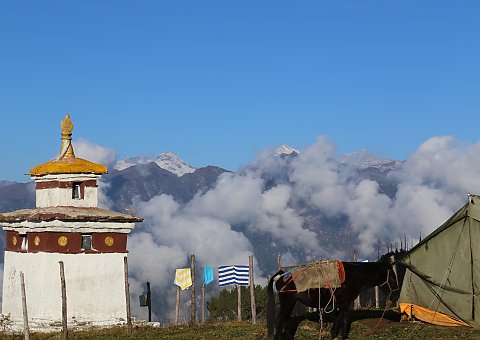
218	81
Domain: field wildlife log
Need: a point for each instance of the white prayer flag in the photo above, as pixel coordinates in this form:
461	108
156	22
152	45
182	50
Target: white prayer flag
233	275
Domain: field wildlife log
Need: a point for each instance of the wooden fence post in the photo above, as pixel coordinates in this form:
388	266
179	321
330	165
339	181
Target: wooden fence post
177	307
127	295
252	291
356	302
203	301
149	302
64	302
26	330
394	267
239	301
193	312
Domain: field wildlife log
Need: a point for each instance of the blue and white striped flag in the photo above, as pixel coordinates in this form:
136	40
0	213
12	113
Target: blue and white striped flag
233	275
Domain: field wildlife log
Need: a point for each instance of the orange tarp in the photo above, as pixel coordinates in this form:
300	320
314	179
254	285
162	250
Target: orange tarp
430	316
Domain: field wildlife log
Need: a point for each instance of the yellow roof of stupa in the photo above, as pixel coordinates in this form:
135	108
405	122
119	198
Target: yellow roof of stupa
66	162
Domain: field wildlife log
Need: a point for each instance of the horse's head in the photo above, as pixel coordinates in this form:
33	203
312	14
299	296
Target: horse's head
391	286
283	281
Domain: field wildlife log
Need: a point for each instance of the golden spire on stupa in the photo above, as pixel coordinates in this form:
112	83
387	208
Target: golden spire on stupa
66	162
67	149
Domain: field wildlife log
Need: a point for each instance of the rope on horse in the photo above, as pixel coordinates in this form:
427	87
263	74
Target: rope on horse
293	275
332	298
294	271
383	313
388	299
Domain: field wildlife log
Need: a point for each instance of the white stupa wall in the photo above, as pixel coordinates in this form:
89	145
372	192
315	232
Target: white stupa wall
55	197
94	284
61	196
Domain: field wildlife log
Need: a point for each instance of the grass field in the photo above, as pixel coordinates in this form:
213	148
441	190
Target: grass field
361	329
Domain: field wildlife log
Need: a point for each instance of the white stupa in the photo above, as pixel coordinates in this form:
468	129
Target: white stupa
67	226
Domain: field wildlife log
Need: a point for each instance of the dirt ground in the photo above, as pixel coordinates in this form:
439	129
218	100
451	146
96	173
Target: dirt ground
380	326
388	329
371	325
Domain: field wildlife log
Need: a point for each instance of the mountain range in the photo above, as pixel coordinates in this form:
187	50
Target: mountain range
142	178
167	160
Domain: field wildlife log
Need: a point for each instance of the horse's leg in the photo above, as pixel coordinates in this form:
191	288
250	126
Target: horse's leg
293	323
347	323
287	302
337	323
282	327
343	322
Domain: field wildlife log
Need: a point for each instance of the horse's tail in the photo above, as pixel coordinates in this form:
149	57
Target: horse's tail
271	308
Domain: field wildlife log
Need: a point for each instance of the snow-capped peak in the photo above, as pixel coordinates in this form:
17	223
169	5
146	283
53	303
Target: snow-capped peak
167	160
285	150
171	162
363	159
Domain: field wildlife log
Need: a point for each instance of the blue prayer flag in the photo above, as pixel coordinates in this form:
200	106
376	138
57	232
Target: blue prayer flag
207	275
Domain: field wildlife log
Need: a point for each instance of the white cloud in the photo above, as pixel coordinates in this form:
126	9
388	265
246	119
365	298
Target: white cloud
433	184
444	163
241	199
92	152
420	209
235	198
169	236
155	263
317	178
368	213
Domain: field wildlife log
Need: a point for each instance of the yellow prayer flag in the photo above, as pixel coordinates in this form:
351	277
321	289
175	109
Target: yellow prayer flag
183	278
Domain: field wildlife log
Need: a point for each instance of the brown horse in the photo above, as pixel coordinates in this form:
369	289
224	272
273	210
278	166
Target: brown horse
359	276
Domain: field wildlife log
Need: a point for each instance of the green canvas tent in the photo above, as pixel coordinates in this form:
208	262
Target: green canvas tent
442	281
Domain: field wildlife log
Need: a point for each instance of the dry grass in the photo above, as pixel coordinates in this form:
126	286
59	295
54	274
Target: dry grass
362	329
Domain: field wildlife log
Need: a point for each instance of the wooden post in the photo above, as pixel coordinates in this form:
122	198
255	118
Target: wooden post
239	303
377	297
127	296
177	307
64	302
26	330
252	291
356	302
193	312
203	302
279	265
394	267
149	302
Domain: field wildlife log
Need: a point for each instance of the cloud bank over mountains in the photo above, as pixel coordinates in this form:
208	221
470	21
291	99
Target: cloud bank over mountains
268	195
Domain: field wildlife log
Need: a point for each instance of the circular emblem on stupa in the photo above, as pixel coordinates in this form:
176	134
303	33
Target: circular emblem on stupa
14	240
109	241
36	240
62	240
